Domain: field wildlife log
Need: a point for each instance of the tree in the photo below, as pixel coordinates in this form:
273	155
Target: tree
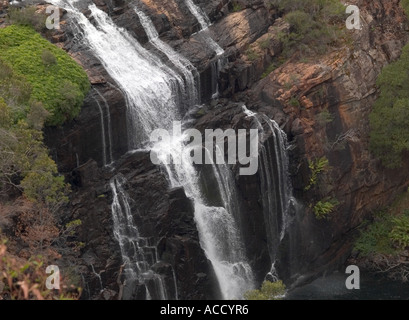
389	119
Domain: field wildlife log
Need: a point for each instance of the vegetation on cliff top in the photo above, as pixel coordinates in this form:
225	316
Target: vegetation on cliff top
315	25
48	74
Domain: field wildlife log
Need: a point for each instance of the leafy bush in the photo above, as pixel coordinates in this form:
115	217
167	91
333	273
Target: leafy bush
399	234
294	102
251	54
48	58
27	17
269	291
315	25
389	119
387	235
60	84
324	207
316	167
324	117
237	7
375	239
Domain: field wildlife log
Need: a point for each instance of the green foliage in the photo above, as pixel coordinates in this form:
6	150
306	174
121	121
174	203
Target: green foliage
251	54
325	207
399	234
318	166
294	102
24	160
405	5
237	7
324	117
269	291
48	58
54	79
41	183
389	119
315	25
27	16
376	238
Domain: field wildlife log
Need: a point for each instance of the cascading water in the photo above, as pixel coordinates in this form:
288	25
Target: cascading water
218	230
105	130
109	126
206	37
275	186
137	255
154	95
181	63
151	88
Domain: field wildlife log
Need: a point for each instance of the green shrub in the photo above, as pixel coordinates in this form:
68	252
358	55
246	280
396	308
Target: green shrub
318	166
48	58
269	291
325	207
315	25
324	117
294	102
55	85
237	7
27	17
379	238
399	234
251	54
389	119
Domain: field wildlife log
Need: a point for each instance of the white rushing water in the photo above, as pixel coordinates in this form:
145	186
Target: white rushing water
275	186
137	255
205	36
109	127
218	230
151	88
181	63
154	92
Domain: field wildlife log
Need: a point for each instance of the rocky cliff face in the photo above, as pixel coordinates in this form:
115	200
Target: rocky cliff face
341	82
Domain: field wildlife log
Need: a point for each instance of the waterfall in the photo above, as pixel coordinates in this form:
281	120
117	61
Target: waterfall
277	199
218	230
151	88
137	255
109	129
205	36
154	95
104	145
181	63
201	17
